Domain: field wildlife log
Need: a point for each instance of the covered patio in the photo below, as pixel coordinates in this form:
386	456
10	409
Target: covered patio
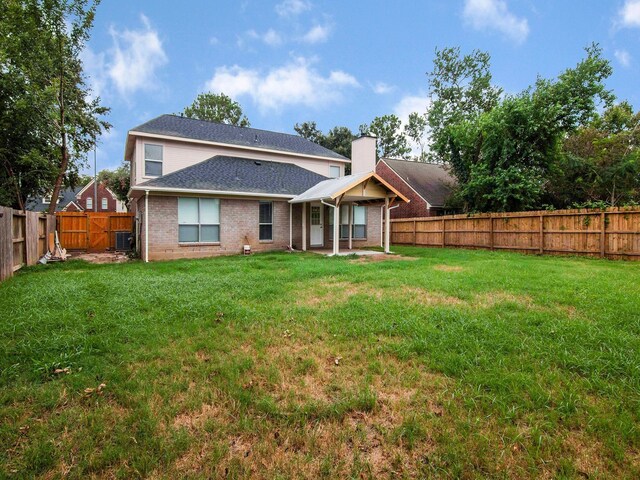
360	189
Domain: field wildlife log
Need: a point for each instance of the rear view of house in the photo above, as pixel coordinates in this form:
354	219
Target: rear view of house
202	188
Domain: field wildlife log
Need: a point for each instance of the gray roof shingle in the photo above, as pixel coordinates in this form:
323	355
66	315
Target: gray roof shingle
183	127
35	204
430	180
234	174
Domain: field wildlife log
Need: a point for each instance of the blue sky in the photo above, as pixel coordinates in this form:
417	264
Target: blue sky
338	63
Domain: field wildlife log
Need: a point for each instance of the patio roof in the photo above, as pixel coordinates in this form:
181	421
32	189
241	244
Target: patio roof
360	187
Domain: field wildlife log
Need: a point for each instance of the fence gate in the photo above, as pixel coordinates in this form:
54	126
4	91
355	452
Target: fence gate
92	231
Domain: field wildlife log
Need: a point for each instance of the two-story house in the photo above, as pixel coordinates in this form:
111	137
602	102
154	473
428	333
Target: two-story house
201	189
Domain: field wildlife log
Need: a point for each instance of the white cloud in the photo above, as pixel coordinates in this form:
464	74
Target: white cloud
407	105
495	15
289	8
214	41
630	13
135	57
296	83
317	34
94	68
270	37
382	88
623	57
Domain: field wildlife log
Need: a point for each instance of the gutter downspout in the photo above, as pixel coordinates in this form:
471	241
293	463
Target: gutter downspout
146	226
291	226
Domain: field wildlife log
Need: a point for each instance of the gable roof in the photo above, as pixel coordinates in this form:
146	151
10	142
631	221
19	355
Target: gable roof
90	184
68	195
430	180
194	129
333	188
236	175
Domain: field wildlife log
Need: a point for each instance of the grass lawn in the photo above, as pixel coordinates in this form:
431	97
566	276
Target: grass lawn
451	364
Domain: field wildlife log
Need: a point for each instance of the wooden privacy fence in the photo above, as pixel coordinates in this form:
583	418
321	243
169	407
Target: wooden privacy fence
23	238
611	233
92	231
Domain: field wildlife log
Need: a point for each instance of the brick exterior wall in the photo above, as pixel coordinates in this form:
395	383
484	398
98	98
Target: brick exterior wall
417	207
238	226
102	193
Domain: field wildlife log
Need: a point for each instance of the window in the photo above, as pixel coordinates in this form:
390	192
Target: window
89	203
359	222
47	200
198	220
152	160
266	220
334	171
105	204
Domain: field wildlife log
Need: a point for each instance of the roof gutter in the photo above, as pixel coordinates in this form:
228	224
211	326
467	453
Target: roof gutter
142	188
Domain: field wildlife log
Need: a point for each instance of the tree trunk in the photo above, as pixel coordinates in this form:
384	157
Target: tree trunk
20	200
63	137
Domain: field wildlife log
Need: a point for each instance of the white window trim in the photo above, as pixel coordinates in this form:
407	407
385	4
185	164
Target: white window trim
339	171
261	223
200	225
145	160
89	203
353	225
104	203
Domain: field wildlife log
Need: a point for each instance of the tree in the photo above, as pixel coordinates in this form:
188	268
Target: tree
460	90
338	139
118	181
415	129
505	159
217	107
391	140
75	117
600	162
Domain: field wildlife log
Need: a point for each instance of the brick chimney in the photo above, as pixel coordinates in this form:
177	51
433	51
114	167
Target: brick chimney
363	154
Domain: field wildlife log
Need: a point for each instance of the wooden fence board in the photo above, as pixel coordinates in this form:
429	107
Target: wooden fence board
612	233
22	239
92	231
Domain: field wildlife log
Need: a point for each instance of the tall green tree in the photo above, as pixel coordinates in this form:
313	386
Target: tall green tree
506	159
217	107
338	139
415	129
310	131
460	87
392	142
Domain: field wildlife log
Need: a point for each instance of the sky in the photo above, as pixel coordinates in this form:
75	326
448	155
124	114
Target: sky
339	63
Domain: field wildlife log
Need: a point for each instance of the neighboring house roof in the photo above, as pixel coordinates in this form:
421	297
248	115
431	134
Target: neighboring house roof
335	187
222	174
90	184
429	180
191	128
67	196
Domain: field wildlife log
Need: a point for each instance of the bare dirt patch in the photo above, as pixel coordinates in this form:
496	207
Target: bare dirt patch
332	291
100	258
448	268
381	258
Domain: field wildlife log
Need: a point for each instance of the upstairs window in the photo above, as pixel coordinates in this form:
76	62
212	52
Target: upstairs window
105	204
198	220
89	203
152	160
266	221
334	171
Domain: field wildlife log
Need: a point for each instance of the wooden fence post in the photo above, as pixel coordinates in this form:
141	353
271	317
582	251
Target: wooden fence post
603	234
541	245
415	233
31	237
444	232
491	232
6	243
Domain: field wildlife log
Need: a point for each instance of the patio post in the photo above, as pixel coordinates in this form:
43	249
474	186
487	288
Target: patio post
387	225
350	226
336	229
304	226
291	226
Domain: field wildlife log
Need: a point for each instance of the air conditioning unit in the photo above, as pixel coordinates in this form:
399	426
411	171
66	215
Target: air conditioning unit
122	241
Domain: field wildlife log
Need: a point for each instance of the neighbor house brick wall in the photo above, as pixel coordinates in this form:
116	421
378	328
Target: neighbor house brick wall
417	207
102	193
238	226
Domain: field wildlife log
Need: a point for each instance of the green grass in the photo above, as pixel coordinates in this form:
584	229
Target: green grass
454	364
